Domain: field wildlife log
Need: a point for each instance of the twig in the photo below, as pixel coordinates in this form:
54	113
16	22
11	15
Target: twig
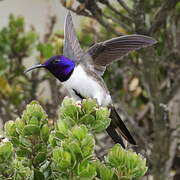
117	22
174	89
124	5
139	17
140	132
161	15
80	12
51	27
106	24
173	108
143	113
116	11
95	14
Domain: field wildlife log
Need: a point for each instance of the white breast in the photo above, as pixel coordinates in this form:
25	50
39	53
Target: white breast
86	86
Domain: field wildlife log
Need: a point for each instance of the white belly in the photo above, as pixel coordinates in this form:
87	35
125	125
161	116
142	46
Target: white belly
86	86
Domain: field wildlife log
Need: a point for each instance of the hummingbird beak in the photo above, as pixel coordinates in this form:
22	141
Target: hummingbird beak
34	67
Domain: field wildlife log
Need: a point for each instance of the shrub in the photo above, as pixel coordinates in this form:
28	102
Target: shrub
34	150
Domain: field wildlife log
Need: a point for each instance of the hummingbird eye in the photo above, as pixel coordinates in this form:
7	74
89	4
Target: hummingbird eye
55	61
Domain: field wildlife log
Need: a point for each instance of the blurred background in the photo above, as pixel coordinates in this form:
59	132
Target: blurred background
145	85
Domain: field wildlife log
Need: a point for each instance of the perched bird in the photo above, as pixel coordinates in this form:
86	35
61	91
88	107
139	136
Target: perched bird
81	72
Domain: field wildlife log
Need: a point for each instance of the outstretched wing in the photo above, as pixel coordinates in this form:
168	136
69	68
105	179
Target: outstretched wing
104	53
72	48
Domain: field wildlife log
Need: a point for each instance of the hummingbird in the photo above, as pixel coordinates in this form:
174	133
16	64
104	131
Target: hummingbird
81	72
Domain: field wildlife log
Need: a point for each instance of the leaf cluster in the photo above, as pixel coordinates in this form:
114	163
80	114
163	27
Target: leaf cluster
33	150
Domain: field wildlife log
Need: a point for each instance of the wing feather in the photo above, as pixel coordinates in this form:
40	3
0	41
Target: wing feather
72	48
104	53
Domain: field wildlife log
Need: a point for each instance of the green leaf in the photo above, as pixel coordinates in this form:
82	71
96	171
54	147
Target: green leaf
19	125
69	121
71	111
40	147
74	147
52	139
39	158
178	7
87	119
6	150
106	173
38	175
62	128
79	132
102	113
45	133
34	120
62	158
10	129
68	101
87	170
46	50
88	145
88	105
33	113
23	151
116	156
21	172
59	136
14	141
25	142
31	130
128	163
99	126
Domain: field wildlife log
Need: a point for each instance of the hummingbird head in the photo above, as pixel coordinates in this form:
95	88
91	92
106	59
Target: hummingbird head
60	66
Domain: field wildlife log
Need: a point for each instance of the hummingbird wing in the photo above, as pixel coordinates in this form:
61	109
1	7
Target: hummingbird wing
104	53
72	48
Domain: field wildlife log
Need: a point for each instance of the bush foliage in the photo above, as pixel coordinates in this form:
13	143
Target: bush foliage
34	150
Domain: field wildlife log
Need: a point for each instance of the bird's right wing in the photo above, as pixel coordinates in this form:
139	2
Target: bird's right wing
104	53
72	48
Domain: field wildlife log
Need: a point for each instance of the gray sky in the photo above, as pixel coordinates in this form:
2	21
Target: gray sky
35	12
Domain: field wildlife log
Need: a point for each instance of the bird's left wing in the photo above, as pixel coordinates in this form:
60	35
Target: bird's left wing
104	53
72	48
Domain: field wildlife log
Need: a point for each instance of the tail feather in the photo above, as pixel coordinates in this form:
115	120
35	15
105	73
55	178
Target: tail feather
119	124
114	135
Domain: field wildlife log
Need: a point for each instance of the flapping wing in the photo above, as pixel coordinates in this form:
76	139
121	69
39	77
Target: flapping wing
72	48
104	53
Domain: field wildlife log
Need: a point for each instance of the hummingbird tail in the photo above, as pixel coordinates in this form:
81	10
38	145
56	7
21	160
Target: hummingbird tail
117	122
114	135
